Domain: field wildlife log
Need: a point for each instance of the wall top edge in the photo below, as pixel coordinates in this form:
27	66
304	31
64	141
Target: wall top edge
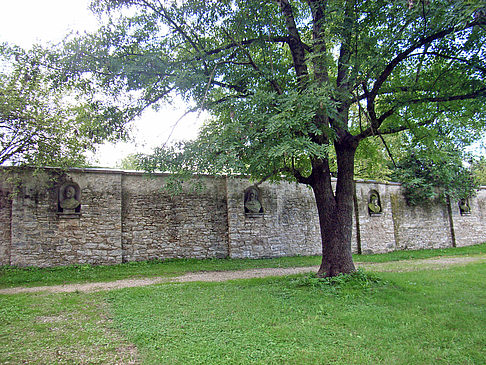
96	170
70	169
106	170
362	181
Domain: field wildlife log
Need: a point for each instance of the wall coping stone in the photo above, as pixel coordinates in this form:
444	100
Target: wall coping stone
107	170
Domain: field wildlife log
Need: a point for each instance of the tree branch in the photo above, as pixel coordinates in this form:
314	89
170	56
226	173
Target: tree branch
480	68
162	12
229	86
440	99
402	56
226	98
247	42
295	42
345	50
297	174
318	9
272	82
404	128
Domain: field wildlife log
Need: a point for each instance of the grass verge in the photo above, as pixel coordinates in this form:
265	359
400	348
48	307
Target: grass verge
11	276
423	317
59	329
422	254
403	318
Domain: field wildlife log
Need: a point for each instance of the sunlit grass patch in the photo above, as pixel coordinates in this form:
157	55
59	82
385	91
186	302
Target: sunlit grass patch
59	329
388	318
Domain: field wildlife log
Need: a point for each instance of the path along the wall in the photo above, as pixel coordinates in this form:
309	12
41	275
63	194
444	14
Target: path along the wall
121	216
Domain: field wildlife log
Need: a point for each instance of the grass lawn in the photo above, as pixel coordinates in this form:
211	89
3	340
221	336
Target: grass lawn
422	317
427	317
15	276
60	329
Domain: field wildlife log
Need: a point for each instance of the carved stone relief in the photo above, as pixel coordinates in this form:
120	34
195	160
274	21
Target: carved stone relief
253	204
69	199
374	203
464	207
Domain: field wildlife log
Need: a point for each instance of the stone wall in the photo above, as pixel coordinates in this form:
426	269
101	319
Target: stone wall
468	228
40	236
377	232
128	216
288	225
5	224
416	227
159	225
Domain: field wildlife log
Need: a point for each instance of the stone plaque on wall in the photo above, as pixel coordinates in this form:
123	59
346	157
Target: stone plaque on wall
374	204
69	200
464	207
253	204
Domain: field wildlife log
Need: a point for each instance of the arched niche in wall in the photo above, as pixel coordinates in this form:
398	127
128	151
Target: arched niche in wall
69	200
464	206
374	203
252	202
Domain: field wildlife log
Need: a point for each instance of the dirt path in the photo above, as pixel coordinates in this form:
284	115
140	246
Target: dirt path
217	276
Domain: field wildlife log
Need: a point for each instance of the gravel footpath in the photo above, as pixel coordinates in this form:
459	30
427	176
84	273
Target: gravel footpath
218	276
192	276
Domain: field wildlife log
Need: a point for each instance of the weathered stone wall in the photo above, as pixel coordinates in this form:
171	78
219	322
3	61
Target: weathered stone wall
377	233
42	237
422	226
127	216
433	225
470	228
288	226
159	225
5	226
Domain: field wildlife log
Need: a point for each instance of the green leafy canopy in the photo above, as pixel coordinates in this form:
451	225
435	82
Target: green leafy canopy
427	176
44	119
286	80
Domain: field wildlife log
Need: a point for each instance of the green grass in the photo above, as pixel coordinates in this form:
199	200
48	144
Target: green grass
31	276
422	254
15	276
59	329
423	317
429	317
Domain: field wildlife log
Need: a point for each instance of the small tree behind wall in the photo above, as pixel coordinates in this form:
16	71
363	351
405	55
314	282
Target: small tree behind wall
283	78
45	119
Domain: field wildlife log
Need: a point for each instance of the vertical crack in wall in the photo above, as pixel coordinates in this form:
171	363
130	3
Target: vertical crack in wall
122	218
228	232
451	221
356	215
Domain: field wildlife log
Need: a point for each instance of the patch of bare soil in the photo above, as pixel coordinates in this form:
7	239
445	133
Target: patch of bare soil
218	276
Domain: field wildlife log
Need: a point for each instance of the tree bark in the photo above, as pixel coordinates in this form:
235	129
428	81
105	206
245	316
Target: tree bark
336	212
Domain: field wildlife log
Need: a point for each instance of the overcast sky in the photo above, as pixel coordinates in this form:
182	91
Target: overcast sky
25	22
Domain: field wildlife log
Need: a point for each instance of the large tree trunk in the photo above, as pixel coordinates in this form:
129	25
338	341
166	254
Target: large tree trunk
336	212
